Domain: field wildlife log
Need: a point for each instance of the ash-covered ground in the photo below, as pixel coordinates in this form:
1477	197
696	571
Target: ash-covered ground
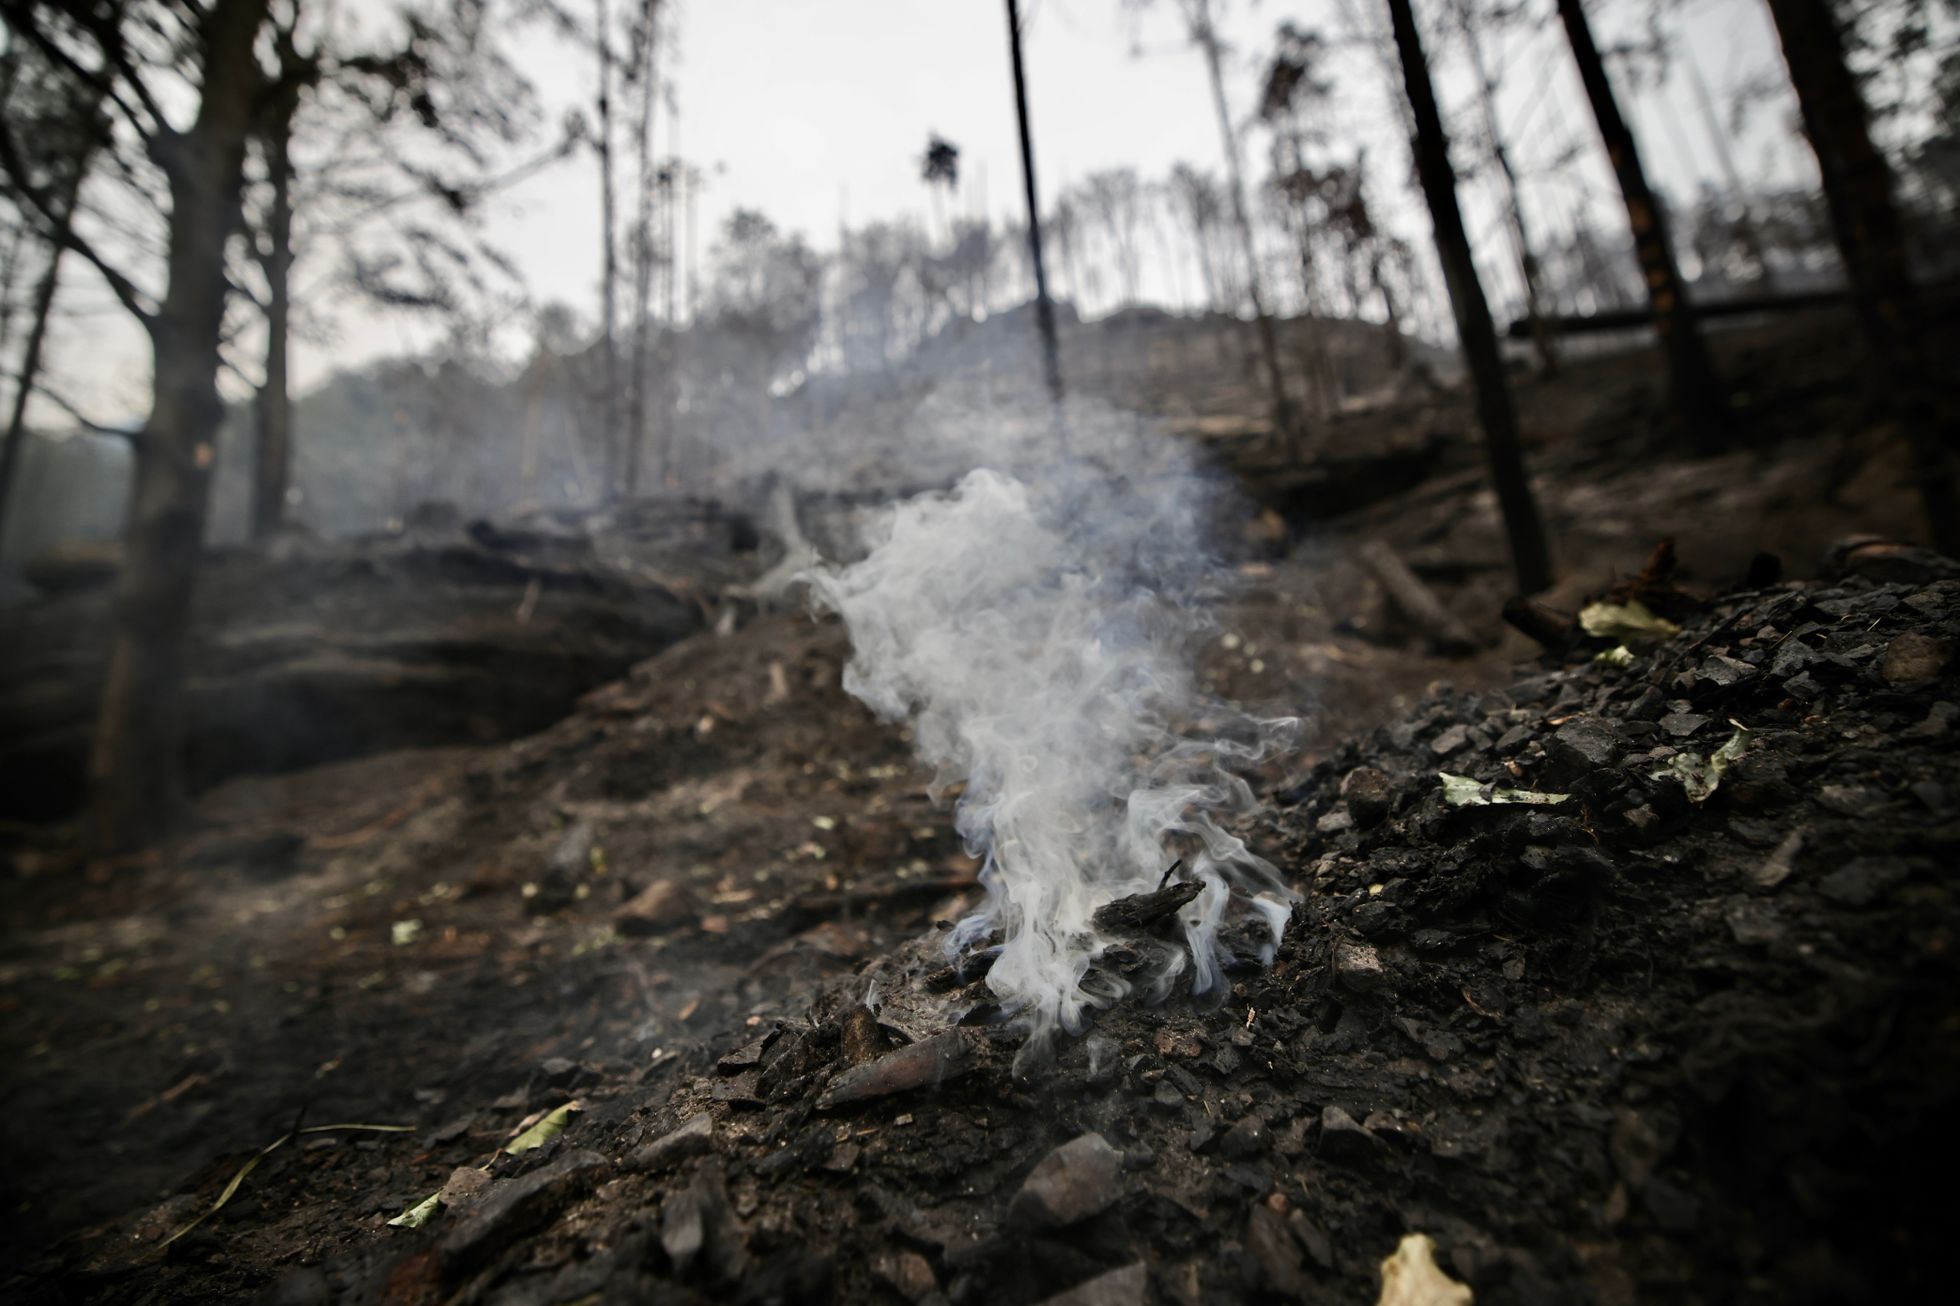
1624	1047
1619	1047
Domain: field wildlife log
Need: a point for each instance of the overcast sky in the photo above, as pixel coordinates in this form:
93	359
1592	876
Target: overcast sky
818	111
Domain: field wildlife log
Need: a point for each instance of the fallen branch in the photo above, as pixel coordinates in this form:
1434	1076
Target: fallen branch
1416	601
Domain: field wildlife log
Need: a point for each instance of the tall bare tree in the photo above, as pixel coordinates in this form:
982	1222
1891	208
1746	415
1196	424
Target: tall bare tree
616	453
376	149
1194	199
1500	157
273	453
1530	551
184	85
1116	197
652	190
1296	94
1746	225
135	777
1202	26
1695	392
940	170
1858	187
67	130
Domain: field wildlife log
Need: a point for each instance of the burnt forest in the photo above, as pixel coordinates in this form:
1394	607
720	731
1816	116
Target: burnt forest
988	653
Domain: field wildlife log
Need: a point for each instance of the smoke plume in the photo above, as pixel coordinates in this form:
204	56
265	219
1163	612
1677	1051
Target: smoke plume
1036	632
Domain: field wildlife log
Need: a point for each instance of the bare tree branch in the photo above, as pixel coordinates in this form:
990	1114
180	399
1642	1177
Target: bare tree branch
20	18
109	39
55	397
16	170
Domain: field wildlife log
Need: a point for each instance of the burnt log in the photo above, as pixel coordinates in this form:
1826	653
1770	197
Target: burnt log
1141	910
1416	602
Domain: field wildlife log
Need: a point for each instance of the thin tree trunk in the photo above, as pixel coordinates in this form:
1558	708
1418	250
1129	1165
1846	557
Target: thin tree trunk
1530	553
135	767
1871	239
1752	232
1398	345
636	381
1527	255
609	263
666	452
9	270
1696	393
1044	308
37	333
272	468
17	234
1286	424
1319	368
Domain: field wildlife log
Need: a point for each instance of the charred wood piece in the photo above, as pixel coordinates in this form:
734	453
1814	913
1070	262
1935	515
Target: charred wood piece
919	1065
1139	911
1552	630
1416	602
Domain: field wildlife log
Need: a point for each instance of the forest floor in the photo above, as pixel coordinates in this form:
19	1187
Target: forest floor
1628	1047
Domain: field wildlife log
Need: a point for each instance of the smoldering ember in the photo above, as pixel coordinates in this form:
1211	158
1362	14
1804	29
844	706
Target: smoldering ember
1072	652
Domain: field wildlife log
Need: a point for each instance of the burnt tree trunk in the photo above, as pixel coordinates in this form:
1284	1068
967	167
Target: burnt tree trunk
272	465
1396	350
1871	240
1695	392
615	454
1530	553
1044	307
1285	422
1527	254
643	255
135	768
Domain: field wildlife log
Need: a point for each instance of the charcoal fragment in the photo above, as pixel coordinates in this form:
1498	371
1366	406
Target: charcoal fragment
1367	793
1081	1178
1141	910
919	1065
1342	1136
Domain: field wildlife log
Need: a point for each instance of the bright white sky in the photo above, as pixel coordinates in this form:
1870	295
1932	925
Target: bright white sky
816	112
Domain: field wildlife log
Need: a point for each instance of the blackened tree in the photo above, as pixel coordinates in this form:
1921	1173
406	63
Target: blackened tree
1530	552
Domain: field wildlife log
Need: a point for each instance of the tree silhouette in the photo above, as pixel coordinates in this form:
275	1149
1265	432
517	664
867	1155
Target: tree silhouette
1694	390
1530	552
1872	240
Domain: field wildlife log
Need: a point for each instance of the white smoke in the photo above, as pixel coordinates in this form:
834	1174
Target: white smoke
1035	631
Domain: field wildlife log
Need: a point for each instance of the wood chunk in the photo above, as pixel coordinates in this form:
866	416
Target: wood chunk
660	906
861	1038
514	1208
1081	1178
1550	629
937	1059
693	1138
1416	602
1140	910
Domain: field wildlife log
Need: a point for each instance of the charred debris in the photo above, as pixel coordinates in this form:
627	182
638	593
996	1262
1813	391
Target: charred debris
1655	1039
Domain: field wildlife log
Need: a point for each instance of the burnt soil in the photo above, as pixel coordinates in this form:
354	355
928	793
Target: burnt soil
1622	1048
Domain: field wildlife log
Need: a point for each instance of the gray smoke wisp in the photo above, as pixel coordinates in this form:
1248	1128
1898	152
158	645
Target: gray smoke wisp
1036	635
